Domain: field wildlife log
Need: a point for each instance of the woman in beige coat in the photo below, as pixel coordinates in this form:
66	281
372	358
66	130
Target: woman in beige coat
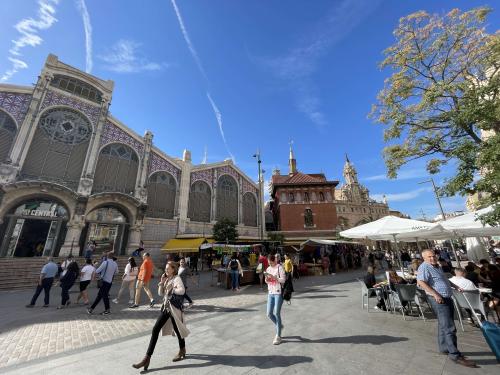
171	319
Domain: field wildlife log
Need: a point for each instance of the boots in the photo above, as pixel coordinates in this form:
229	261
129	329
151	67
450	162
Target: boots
144	363
181	355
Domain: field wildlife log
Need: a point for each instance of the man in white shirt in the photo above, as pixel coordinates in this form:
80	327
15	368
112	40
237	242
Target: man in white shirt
460	280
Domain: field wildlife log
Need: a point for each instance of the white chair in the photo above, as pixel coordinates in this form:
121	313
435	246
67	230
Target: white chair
366	293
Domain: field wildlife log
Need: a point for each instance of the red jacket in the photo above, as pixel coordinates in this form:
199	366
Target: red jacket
146	270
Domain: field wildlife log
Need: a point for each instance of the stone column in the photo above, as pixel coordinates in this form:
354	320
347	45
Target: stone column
184	188
87	178
8	172
141	191
75	226
214	196
134	237
240	201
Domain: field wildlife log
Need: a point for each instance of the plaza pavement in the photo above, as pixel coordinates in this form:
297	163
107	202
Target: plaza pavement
326	332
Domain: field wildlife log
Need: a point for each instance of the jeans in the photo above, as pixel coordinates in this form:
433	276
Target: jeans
234	279
102	294
274	302
46	285
447	332
65	295
160	322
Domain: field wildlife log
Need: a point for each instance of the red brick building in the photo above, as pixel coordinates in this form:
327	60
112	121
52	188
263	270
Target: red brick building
303	204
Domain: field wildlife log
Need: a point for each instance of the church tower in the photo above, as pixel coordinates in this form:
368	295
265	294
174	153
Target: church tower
292	163
350	174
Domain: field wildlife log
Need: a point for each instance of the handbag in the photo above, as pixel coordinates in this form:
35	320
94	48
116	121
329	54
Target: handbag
176	301
259	268
100	281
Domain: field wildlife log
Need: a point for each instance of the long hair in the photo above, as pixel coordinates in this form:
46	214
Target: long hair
132	262
73	267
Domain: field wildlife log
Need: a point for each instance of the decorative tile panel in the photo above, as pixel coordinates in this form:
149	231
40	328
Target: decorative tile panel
204	175
228	170
247	186
157	163
16	105
54	98
112	133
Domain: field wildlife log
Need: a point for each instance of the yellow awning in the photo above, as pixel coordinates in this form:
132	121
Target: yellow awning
184	245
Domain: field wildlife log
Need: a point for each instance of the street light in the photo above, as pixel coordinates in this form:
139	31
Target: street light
442	214
259	216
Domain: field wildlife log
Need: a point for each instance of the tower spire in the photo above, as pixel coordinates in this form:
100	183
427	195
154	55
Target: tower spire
292	163
347	158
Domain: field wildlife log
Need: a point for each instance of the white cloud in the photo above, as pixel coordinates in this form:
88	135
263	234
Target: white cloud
297	67
407	174
87	26
401	197
29	28
124	58
196	58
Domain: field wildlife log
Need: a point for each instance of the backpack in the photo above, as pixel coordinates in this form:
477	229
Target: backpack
233	264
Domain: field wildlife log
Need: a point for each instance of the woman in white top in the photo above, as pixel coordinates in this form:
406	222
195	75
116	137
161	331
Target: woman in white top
128	280
87	274
171	318
275	277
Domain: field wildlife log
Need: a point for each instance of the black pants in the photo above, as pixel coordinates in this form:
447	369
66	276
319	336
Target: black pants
46	285
187	297
103	294
160	322
65	294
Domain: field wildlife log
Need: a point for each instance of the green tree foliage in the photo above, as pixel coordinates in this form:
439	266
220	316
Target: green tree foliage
225	230
442	100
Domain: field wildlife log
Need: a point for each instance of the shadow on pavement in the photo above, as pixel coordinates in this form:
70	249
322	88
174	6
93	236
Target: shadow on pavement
258	361
357	339
211	308
309	297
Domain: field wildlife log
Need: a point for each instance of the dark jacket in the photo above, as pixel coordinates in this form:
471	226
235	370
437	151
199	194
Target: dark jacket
68	279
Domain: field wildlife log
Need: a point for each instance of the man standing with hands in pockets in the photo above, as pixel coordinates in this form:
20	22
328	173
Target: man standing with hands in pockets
438	289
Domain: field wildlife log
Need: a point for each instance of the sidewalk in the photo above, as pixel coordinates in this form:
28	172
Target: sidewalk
325	332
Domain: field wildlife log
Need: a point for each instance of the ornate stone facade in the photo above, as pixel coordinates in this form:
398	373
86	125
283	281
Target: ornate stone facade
109	200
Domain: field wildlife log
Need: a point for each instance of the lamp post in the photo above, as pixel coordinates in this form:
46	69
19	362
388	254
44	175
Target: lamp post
431	180
259	216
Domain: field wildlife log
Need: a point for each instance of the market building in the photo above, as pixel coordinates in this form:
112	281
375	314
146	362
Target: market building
71	173
305	206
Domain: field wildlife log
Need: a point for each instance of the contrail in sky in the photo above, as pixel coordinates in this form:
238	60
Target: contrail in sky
82	7
29	28
197	60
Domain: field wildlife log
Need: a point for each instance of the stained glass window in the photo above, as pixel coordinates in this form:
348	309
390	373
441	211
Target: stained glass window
7	133
116	169
162	189
227	198
249	210
77	87
200	202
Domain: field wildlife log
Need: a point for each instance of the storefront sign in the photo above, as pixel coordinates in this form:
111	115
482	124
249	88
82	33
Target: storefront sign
41	213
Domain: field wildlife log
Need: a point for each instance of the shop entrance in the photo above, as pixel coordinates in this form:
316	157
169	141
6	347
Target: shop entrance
34	228
107	227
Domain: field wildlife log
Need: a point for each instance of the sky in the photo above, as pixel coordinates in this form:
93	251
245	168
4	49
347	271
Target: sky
225	78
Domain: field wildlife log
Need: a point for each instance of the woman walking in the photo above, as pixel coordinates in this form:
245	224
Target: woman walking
275	277
128	280
87	274
66	282
171	318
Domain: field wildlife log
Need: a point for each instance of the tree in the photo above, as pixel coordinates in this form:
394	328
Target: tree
442	101
225	230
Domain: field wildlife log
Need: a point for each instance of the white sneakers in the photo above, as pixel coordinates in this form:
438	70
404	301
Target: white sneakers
277	340
115	300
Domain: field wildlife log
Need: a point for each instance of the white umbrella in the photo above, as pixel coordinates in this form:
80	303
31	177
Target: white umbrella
386	228
469	225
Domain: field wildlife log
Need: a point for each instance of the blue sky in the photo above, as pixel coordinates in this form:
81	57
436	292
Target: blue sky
233	76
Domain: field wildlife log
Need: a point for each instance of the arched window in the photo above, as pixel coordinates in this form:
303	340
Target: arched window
77	87
162	188
200	202
227	198
8	131
306	197
116	169
321	196
291	197
308	218
59	147
249	210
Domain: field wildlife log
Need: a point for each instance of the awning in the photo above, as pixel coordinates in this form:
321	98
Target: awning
184	245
